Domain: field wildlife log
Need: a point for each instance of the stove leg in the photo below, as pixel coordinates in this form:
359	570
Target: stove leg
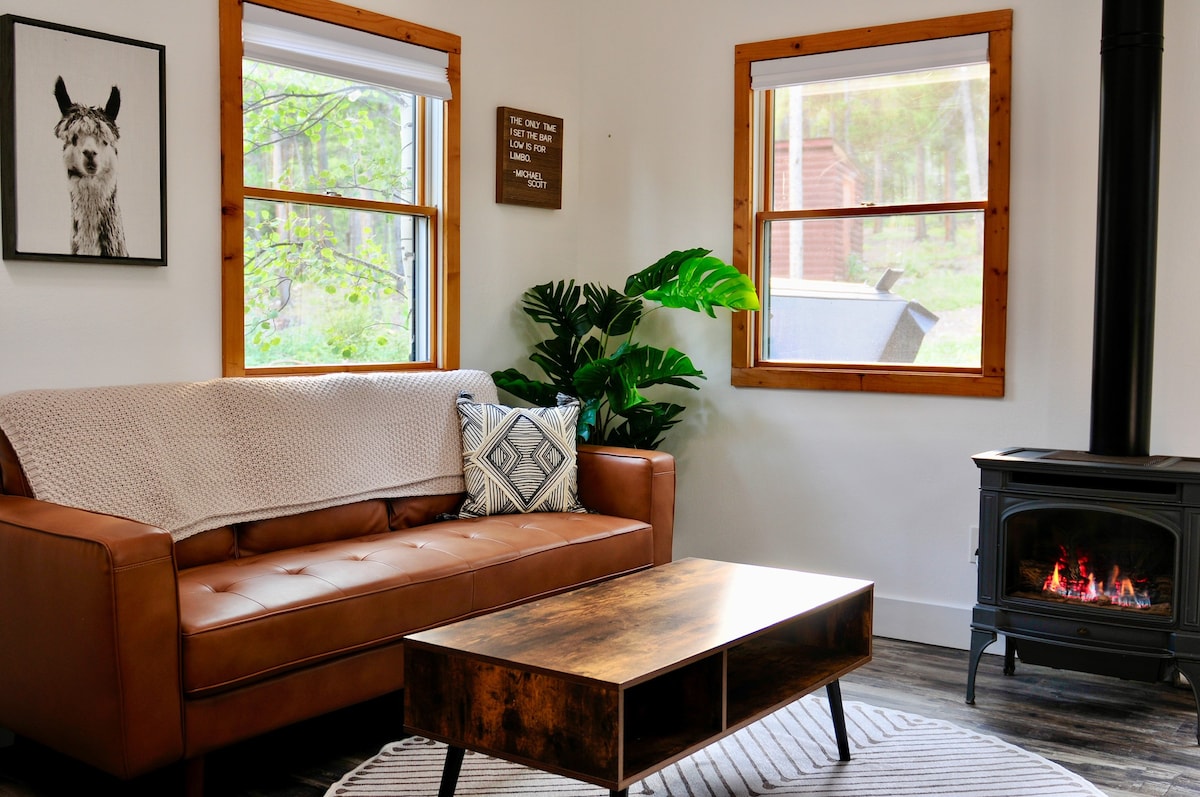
1010	656
980	639
1192	670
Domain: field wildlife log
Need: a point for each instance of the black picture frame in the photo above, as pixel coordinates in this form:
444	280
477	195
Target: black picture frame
62	90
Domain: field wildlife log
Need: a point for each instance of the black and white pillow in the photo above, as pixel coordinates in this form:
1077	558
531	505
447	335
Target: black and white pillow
519	459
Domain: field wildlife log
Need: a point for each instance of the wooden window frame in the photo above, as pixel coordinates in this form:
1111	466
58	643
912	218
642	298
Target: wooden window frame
749	369
445	224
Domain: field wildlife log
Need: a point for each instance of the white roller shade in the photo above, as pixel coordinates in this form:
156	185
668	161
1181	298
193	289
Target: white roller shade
276	37
888	59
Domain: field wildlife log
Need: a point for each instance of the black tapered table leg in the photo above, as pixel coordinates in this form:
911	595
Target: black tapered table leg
453	765
618	793
833	690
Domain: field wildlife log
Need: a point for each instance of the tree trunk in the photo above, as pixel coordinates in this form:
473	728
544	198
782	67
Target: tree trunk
919	221
948	183
795	182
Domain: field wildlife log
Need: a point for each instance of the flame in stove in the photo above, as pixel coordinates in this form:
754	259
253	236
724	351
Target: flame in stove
1073	578
1055	582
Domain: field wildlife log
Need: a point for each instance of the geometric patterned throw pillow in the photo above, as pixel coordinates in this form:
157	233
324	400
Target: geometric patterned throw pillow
518	459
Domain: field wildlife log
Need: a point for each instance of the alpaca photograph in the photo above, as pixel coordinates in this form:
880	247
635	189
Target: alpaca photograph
90	137
83	164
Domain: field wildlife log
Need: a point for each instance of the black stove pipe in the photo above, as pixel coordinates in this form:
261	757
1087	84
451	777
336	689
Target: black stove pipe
1127	226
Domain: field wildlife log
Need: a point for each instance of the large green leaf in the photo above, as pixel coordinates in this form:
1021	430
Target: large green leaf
655	276
539	394
610	311
643	426
647	366
702	283
623	375
558	305
605	378
559	358
589	418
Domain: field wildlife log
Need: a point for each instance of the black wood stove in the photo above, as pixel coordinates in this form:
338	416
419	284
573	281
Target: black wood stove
1090	560
1090	564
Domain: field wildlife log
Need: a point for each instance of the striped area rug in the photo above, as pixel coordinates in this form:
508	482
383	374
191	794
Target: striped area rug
791	752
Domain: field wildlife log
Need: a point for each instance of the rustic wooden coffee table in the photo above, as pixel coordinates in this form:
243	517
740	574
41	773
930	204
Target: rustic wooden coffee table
611	682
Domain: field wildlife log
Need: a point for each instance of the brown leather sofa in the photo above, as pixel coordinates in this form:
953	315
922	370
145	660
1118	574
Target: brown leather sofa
131	652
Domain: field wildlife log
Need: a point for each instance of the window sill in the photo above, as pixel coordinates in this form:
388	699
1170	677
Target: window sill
932	382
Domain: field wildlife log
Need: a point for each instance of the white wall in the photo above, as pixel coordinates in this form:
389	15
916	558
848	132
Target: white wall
873	486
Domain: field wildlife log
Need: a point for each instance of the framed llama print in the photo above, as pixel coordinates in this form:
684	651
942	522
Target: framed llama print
83	175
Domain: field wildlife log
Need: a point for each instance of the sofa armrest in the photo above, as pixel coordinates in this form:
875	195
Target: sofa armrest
633	483
89	636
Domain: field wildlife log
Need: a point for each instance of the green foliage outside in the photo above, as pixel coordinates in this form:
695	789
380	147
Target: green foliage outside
943	273
326	284
911	138
591	352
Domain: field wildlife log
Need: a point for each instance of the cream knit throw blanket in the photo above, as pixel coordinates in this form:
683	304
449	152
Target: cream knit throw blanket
192	456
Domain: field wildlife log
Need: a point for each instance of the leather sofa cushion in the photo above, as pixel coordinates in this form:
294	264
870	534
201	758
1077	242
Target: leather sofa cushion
309	528
215	545
404	513
550	551
313	528
248	619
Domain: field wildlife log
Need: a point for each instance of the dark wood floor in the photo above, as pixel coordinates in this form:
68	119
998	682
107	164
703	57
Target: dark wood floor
1128	738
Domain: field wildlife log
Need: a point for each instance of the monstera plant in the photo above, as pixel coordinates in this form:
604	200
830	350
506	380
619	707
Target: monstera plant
591	352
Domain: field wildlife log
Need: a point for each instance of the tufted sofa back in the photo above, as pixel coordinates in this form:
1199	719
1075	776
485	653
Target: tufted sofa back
374	516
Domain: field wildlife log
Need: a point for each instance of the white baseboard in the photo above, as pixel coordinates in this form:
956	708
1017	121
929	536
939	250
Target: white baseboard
927	623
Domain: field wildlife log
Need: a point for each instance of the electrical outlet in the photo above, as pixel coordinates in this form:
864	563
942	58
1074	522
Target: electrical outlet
973	545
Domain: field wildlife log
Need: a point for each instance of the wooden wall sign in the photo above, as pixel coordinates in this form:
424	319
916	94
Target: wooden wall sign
528	158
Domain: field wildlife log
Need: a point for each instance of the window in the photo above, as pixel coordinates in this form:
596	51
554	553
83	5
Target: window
339	134
871	207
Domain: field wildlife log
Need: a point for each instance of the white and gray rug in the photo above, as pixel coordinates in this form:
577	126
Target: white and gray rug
791	752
